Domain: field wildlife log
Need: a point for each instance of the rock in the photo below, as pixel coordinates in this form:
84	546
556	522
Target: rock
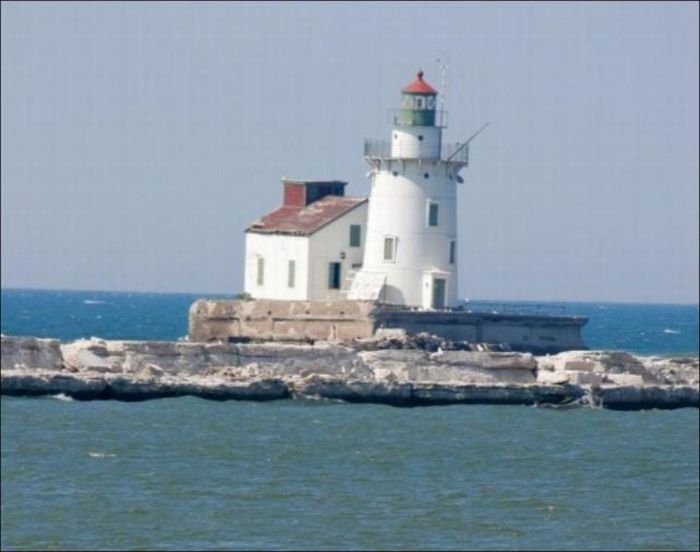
673	370
625	380
550	377
30	352
390	333
45	382
597	361
135	370
354	390
648	396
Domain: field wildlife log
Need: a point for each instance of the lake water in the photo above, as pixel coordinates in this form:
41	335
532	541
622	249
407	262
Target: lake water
188	473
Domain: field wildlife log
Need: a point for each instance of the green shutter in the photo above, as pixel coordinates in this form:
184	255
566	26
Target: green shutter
355	235
433	214
261	271
291	274
388	249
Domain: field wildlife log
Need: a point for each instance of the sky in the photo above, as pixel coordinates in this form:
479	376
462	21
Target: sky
140	139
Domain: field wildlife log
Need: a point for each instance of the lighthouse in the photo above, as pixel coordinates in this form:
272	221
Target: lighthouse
410	256
330	267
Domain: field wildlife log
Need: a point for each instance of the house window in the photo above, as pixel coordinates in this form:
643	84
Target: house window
432	214
355	235
334	276
389	248
453	252
291	274
261	271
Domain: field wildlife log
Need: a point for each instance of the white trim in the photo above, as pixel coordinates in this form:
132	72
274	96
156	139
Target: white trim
428	204
394	248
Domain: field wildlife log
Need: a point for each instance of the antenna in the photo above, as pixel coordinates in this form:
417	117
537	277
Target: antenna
460	148
476	134
444	66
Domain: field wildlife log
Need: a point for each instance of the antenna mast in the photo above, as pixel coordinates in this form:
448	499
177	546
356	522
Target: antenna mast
444	66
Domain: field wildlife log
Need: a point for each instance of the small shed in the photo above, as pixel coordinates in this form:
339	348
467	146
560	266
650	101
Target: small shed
310	247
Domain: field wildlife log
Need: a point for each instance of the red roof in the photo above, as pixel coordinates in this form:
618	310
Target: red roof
419	86
304	221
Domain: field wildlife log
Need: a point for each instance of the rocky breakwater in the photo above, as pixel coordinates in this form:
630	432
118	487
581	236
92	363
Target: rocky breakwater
134	370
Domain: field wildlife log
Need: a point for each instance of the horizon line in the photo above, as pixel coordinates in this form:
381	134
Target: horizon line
465	300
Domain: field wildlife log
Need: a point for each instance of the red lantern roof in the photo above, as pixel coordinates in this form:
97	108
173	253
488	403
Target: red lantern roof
419	86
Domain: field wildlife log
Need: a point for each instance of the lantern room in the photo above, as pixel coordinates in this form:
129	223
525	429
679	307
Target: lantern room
418	102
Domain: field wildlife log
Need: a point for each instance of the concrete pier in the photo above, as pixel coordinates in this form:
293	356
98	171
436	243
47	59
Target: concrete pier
347	321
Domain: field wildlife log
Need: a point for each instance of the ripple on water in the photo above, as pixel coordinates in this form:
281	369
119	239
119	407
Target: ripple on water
189	473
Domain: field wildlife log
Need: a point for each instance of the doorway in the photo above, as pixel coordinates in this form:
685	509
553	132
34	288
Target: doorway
438	293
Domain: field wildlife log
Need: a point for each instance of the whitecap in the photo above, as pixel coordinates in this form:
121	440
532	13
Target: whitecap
101	455
670	331
93	302
62	397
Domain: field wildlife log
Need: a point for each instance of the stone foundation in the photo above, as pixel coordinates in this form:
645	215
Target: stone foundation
349	321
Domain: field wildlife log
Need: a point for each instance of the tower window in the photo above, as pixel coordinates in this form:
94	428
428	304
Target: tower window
395	173
432	213
420	137
453	252
426	175
291	274
420	102
333	275
355	235
389	248
261	271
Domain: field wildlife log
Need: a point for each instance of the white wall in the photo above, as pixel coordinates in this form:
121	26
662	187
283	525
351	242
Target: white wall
416	141
277	250
326	246
398	207
312	255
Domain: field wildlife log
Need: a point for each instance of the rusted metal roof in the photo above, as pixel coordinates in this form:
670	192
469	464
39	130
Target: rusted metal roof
419	86
304	221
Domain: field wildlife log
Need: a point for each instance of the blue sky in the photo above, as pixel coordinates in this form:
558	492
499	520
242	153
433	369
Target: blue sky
140	139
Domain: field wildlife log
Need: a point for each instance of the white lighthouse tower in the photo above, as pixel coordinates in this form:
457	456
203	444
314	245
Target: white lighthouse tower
411	244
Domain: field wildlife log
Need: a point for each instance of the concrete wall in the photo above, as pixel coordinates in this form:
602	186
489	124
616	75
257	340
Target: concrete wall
538	334
348	320
270	319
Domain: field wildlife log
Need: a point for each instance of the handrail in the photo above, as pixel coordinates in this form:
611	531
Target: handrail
382	149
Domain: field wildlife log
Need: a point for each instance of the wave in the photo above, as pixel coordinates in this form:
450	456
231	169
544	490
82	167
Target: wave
670	331
101	455
93	302
62	397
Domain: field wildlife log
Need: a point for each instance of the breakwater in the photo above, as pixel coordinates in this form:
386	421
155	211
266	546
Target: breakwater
347	321
139	370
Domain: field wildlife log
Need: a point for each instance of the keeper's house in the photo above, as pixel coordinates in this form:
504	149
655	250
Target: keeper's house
310	247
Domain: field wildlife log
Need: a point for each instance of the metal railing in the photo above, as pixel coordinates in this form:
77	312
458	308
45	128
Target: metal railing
382	149
495	307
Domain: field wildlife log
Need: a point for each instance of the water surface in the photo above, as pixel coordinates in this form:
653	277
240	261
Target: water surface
188	473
